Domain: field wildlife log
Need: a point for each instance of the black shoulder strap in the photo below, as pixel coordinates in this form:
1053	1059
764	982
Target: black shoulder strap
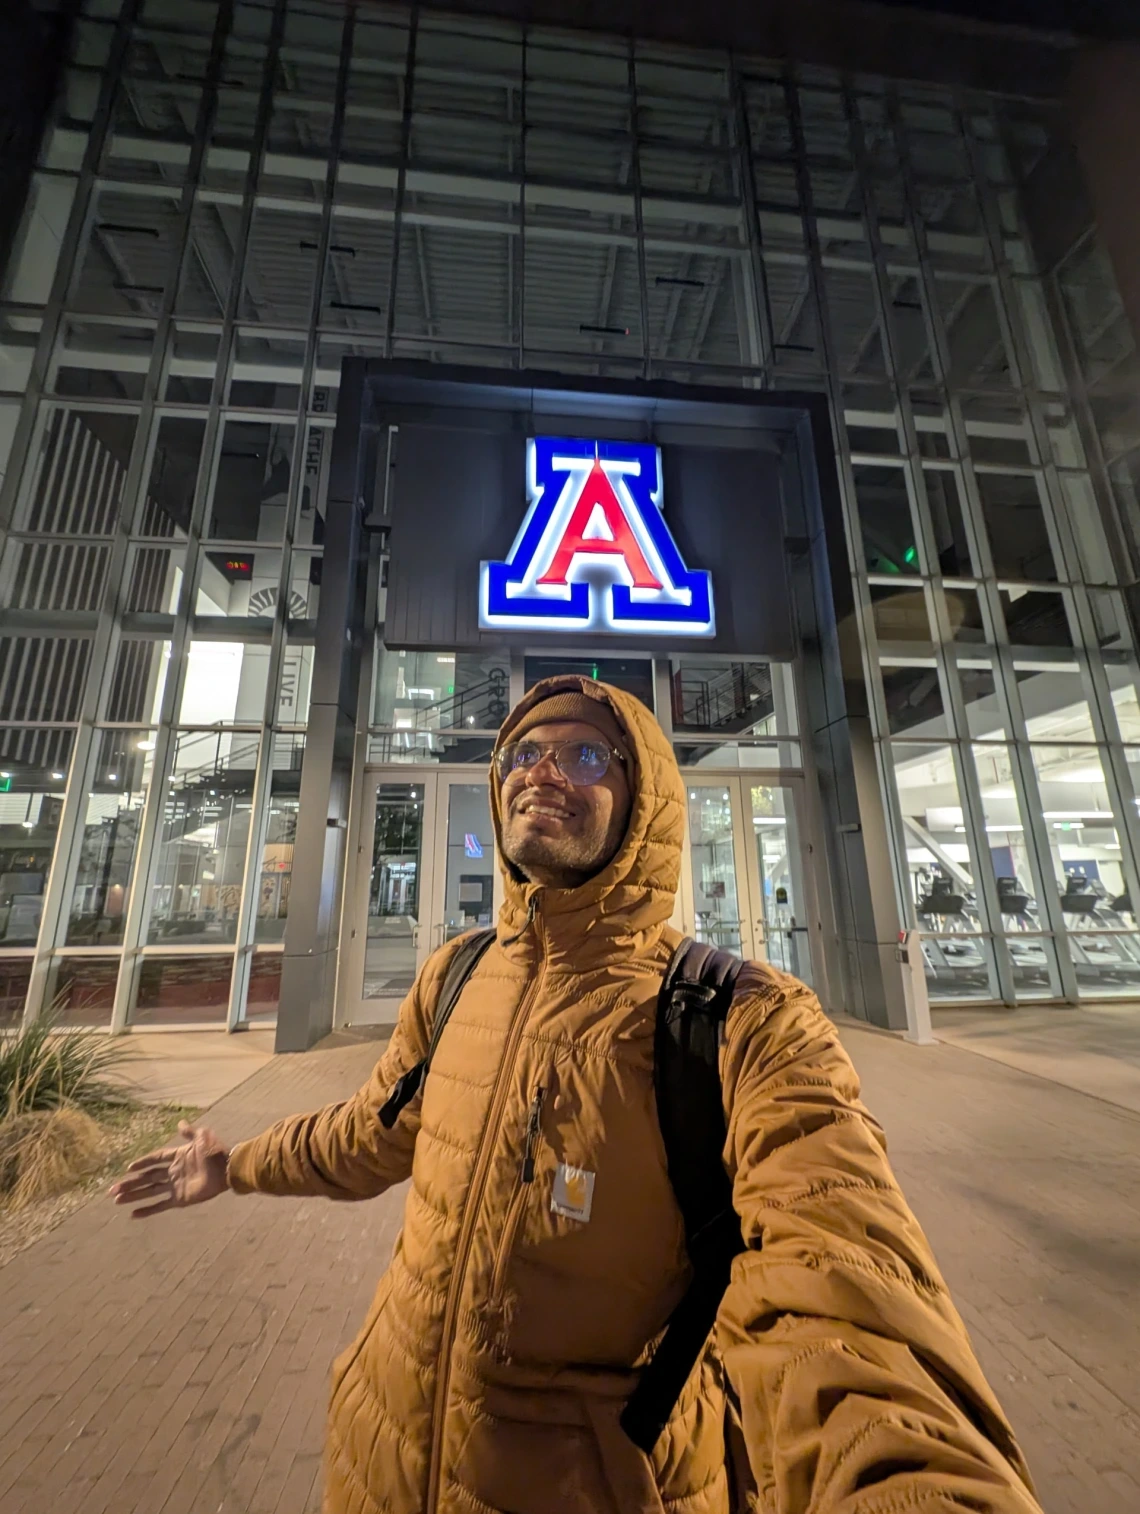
459	969
695	998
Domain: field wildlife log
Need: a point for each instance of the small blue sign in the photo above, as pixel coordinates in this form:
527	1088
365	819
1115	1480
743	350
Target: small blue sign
472	845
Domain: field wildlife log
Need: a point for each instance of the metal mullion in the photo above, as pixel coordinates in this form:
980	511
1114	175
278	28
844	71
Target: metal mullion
401	176
741	154
138	908
1023	772
1102	710
868	639
969	790
263	775
518	250
72	240
638	209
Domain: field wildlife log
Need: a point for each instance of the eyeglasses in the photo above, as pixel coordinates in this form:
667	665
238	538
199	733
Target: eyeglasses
581	763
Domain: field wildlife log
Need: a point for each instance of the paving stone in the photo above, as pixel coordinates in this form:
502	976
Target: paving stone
181	1366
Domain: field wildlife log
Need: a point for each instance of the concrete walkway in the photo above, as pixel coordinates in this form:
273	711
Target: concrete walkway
180	1367
194	1067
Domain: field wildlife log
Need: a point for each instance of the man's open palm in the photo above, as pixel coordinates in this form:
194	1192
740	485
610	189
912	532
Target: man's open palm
176	1176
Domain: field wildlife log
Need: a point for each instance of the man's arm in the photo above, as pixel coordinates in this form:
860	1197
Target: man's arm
859	1389
343	1151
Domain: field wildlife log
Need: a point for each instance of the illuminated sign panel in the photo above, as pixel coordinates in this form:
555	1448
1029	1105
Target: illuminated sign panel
594	552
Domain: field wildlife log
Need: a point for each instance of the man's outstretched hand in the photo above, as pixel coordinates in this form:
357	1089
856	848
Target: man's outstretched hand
176	1176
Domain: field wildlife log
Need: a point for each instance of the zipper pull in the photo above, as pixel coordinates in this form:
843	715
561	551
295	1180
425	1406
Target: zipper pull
532	1130
532	910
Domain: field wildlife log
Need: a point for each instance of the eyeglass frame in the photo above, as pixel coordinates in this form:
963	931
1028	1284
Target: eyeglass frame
546	748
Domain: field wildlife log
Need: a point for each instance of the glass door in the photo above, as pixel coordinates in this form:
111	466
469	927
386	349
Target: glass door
747	885
426	872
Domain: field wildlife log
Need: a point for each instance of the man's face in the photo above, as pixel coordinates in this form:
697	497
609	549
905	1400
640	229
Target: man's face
554	833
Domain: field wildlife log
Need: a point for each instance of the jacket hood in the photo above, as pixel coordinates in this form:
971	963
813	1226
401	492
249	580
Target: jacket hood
633	896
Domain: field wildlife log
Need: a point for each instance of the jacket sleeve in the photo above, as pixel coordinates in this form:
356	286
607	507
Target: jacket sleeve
859	1390
343	1151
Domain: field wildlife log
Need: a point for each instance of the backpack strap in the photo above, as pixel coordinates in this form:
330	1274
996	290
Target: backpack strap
695	998
467	957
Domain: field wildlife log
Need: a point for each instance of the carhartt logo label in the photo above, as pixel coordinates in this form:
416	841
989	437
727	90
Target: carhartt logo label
573	1194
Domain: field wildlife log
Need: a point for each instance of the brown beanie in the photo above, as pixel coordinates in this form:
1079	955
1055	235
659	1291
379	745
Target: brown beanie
572	705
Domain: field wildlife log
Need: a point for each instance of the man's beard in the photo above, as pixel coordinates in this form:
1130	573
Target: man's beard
576	858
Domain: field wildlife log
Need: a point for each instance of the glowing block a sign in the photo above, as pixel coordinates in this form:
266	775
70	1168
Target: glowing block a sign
594	552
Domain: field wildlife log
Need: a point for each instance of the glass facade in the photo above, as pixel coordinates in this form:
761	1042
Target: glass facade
231	198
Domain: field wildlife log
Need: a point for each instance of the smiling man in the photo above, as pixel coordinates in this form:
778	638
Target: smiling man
543	1249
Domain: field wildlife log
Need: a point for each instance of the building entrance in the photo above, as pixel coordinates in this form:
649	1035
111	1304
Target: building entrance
747	884
426	872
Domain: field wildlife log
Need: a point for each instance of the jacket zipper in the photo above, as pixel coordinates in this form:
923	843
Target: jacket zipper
518	1202
471	1213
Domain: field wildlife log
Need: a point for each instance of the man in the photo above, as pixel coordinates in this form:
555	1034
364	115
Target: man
543	1250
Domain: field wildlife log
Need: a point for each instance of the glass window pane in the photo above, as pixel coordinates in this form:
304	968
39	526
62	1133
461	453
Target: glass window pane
225	683
747	755
1124	699
984	714
280	837
1010	860
251	491
716	903
173	477
96	358
54	575
729	698
80	473
900	615
469	883
305	585
1055	703
1015	521
266	371
264	987
964	609
129	254
975	344
108	837
81	990
242	583
138	681
1083	840
779	856
192	367
15	975
945	504
198	872
438	691
913	698
938	852
154	583
295	688
394	910
33	771
183	990
1036	618
885	519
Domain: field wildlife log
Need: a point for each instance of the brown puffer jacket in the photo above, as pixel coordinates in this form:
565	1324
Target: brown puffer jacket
505	1337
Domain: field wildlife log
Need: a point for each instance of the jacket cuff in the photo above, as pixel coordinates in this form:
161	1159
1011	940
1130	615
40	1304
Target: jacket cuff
241	1168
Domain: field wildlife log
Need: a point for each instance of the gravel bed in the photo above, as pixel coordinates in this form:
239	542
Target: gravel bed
130	1134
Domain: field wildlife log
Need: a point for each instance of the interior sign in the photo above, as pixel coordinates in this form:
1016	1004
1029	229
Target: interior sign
594	552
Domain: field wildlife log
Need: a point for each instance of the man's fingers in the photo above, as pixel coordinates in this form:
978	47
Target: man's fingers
131	1193
147	1210
155	1159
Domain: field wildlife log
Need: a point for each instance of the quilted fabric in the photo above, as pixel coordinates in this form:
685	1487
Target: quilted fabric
505	1337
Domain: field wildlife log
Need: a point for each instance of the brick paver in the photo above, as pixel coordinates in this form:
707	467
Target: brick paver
180	1366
